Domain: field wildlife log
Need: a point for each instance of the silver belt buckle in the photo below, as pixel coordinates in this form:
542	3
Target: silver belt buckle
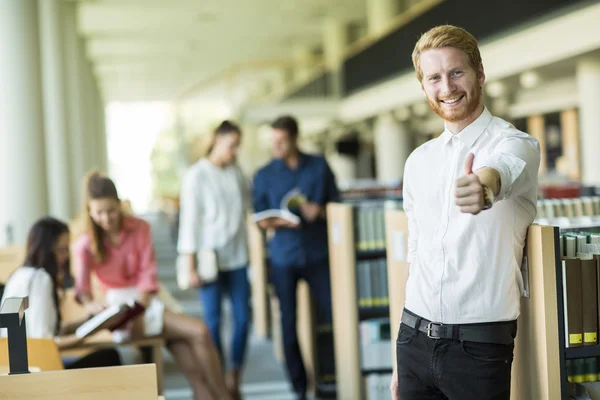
429	325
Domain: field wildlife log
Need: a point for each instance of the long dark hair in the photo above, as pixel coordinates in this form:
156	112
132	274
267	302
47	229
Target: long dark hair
40	254
97	186
224	128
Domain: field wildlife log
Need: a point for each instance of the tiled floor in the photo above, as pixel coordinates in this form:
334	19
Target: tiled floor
264	377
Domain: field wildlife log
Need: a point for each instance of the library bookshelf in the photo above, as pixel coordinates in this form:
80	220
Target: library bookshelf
349	306
260	279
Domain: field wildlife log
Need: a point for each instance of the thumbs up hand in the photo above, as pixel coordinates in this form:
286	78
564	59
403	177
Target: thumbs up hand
469	192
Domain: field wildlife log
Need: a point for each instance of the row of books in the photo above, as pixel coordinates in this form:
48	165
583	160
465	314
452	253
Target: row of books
372	283
582	370
580	254
325	360
376	357
588	206
375	344
369	224
377	386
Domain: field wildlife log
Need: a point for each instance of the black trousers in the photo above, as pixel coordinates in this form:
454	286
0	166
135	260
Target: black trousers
430	369
96	359
285	280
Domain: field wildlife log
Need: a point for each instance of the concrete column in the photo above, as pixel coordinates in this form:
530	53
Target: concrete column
75	101
90	114
22	162
335	40
102	137
344	168
588	86
392	148
55	109
380	14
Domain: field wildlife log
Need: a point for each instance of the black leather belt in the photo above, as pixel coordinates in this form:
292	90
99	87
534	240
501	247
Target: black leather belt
495	332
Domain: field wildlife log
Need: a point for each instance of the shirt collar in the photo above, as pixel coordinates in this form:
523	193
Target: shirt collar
471	133
302	159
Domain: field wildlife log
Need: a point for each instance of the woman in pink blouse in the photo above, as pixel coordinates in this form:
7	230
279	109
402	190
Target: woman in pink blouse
119	250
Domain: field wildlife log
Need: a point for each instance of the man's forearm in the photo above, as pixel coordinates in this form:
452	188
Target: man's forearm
490	178
271	223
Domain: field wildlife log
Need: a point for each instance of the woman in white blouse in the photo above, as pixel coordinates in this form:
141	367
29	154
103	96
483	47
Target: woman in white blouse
214	200
41	279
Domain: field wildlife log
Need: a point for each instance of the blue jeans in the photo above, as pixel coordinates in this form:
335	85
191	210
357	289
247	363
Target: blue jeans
285	280
235	283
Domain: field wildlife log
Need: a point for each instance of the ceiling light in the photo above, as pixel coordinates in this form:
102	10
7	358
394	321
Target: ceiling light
495	89
529	79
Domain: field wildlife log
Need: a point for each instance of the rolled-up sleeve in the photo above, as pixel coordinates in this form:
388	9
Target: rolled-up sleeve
408	206
190	215
84	263
517	160
260	199
147	278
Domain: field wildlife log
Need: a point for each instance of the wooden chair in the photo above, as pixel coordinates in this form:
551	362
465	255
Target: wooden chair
115	383
42	354
11	258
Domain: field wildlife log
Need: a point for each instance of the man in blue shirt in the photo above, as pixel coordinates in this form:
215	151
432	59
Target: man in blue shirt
297	251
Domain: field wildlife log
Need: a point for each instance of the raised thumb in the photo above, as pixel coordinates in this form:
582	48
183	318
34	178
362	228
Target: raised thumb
469	164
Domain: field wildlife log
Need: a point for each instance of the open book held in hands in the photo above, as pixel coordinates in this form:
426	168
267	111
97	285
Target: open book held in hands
293	199
113	318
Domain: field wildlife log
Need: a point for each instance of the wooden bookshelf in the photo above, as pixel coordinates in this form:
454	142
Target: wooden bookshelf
260	279
537	363
344	301
347	314
396	225
536	372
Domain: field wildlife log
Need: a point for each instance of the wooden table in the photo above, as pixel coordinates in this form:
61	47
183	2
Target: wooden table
103	340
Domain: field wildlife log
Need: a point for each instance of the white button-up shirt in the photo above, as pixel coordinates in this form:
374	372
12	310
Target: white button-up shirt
465	268
41	315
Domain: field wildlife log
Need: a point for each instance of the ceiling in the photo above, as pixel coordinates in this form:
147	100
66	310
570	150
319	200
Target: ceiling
143	50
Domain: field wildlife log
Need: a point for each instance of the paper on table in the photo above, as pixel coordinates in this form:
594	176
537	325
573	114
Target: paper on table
398	246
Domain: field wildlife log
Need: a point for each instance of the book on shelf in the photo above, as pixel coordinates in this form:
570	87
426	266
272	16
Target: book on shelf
583	211
292	200
112	318
375	344
580	254
377	386
372	283
370	226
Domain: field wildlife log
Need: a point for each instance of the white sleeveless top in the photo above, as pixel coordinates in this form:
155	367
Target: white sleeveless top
40	316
